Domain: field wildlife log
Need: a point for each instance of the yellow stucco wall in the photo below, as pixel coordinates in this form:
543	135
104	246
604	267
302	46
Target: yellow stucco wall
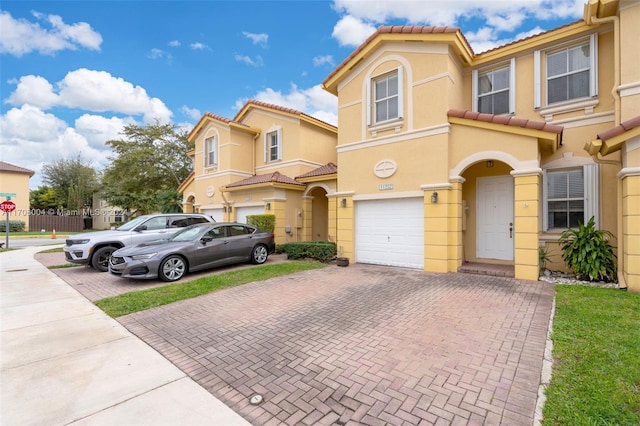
16	183
631	231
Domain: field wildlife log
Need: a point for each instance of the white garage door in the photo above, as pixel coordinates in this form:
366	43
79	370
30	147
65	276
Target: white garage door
243	212
216	214
390	232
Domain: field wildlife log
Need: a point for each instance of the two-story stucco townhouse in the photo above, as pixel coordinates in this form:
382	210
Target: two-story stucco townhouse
14	183
446	156
267	159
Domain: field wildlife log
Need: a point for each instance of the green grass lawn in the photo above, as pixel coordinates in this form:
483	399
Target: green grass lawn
596	351
135	301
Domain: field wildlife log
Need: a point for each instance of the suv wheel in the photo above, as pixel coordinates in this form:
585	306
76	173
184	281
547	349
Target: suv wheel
100	259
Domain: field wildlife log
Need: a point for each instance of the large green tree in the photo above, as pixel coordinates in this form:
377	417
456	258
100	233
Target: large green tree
44	198
149	164
74	181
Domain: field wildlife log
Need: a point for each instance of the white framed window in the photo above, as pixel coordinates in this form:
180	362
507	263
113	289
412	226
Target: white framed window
273	145
569	72
570	196
211	151
385	97
494	90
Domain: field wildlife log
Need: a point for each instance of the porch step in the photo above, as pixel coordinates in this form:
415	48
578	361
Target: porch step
488	269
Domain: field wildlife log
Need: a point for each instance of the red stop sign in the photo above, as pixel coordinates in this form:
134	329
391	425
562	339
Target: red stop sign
7	206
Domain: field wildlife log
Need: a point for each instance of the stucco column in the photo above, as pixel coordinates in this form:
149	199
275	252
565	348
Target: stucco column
629	241
332	219
278	208
525	225
344	223
442	227
307	218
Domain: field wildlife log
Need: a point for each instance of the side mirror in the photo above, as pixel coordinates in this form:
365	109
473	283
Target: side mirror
206	238
141	228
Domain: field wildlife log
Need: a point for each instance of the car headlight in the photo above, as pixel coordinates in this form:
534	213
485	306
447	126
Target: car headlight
74	242
143	256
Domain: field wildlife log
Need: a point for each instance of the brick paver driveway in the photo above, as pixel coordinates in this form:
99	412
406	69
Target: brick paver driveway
363	344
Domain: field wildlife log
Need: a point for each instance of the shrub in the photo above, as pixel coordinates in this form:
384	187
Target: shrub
266	222
14	226
319	250
587	252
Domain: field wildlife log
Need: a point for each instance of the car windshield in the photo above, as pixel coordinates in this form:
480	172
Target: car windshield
188	234
132	224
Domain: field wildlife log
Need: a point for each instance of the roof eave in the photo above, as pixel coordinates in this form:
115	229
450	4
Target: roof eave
454	39
278	185
549	139
608	146
319	178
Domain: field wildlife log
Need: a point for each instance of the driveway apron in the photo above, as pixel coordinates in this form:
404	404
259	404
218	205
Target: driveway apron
363	344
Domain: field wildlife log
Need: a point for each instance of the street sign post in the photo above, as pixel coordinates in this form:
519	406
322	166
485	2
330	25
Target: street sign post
7	207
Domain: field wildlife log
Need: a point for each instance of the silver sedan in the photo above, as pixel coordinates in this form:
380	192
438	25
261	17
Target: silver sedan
194	248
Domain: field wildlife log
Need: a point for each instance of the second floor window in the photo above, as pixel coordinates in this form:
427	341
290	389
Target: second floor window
386	97
568	73
493	91
273	145
211	151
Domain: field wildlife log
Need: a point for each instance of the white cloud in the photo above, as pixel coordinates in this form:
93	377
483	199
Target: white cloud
32	138
159	54
351	31
499	19
96	91
314	101
20	36
174	43
192	113
199	46
260	39
257	62
322	60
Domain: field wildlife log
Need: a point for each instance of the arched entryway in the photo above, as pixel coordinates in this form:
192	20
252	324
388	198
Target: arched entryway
319	213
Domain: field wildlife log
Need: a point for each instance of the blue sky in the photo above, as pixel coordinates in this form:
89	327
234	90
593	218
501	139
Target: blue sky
73	73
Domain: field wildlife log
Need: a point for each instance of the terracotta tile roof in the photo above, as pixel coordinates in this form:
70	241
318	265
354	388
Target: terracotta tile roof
327	169
275	177
276	108
623	127
8	167
540	34
217	117
506	120
396	29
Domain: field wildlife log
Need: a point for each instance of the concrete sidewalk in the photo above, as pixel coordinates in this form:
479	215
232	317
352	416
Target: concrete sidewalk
64	361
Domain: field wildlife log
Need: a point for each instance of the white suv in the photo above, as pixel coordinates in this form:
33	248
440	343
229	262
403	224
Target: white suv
95	248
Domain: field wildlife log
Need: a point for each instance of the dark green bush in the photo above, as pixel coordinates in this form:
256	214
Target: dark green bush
587	252
319	250
266	222
14	226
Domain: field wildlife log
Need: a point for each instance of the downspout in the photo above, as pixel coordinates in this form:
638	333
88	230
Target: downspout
617	108
225	203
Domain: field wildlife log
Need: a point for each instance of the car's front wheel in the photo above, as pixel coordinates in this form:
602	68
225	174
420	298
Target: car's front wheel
172	268
100	259
259	254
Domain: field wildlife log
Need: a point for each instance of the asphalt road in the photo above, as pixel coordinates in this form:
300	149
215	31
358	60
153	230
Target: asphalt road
30	242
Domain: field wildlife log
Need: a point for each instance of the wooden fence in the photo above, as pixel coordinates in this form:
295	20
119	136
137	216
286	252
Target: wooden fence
60	223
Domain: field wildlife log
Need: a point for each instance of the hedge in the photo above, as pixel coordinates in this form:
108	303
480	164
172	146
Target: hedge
14	226
319	250
266	222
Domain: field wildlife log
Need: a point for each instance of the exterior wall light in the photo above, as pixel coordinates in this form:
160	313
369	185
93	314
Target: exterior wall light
434	197
267	206
343	202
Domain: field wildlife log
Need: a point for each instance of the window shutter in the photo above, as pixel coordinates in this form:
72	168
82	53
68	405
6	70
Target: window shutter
401	90
545	202
512	86
536	79
591	193
474	90
369	106
593	58
279	135
266	147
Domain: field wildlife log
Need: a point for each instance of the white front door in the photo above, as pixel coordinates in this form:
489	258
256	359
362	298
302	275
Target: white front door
495	218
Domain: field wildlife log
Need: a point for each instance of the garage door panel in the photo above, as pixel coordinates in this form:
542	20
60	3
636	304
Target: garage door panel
243	212
390	232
